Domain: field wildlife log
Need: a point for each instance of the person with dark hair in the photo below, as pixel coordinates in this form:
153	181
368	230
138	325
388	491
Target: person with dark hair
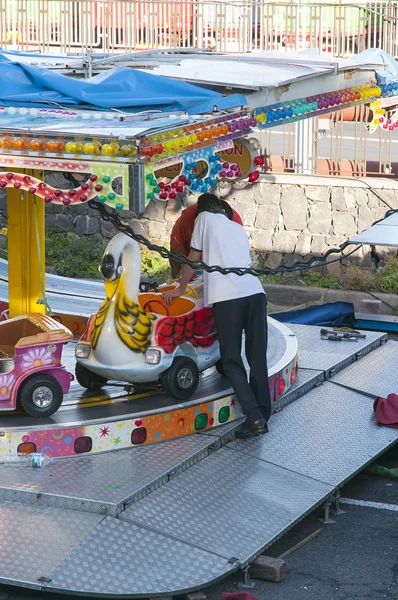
239	305
180	239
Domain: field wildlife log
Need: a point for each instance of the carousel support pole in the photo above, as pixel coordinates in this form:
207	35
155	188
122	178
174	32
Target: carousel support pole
26	252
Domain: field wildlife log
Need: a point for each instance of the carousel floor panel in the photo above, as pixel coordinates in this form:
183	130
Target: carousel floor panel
376	374
329	434
313	447
306	380
239	503
34	541
330	356
118	559
105	483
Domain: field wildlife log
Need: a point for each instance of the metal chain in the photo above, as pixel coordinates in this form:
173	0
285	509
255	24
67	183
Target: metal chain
110	215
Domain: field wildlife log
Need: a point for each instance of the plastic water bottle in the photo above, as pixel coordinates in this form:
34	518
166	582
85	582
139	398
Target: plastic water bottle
34	459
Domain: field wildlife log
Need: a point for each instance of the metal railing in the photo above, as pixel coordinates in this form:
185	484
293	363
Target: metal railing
336	27
332	148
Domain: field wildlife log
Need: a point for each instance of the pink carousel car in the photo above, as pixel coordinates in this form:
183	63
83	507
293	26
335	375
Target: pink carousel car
31	375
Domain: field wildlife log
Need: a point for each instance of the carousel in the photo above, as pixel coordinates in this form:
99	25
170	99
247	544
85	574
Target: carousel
110	372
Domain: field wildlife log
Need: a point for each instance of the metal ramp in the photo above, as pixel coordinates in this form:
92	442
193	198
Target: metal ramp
174	517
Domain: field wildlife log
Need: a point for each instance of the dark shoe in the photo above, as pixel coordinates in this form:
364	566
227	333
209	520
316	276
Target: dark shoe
252	428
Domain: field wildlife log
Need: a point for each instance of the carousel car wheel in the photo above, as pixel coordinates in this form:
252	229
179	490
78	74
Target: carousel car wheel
40	395
181	379
88	379
219	367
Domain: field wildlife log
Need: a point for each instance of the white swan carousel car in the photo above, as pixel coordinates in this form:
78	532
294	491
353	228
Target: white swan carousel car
136	338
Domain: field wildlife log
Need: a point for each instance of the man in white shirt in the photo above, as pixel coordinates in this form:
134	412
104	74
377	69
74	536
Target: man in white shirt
239	304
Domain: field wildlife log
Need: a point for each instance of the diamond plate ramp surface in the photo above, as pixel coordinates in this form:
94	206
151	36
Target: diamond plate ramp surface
103	483
229	503
329	435
35	540
376	374
329	356
306	380
118	559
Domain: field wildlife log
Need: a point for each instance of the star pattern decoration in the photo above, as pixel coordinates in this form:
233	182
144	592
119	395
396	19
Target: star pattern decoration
104	431
233	402
117	441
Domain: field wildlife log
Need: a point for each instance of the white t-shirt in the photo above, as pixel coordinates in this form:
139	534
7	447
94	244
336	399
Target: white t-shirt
223	243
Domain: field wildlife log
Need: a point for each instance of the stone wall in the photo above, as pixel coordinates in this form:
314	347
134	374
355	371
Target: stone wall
292	221
284	220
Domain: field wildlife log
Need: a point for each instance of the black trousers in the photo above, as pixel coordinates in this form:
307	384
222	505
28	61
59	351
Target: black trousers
232	318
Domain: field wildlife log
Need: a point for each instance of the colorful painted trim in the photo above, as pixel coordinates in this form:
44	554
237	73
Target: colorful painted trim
71	441
136	430
101	183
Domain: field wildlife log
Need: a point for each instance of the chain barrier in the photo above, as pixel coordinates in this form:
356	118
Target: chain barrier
110	215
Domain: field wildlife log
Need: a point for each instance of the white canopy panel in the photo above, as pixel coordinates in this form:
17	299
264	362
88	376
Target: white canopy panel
384	233
249	74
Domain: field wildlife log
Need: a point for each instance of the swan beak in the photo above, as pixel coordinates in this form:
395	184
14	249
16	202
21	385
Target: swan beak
110	288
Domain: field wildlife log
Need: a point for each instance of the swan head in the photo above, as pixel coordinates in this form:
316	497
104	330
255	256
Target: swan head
111	272
122	259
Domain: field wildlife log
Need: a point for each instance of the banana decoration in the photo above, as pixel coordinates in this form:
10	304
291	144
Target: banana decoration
133	323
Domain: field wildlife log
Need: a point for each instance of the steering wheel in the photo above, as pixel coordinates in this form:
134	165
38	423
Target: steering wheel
147	286
156	301
191	292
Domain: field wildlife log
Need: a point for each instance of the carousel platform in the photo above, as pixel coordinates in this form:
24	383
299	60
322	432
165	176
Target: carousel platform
120	416
168	518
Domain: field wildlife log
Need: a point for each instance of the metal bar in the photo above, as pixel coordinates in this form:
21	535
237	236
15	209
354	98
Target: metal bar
302	543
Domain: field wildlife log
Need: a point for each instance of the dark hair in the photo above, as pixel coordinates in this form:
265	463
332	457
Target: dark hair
209	203
228	210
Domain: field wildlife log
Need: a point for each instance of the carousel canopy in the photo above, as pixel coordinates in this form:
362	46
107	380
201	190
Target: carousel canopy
384	233
118	88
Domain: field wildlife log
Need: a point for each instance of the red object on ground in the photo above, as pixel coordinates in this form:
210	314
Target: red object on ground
238	596
386	410
183	228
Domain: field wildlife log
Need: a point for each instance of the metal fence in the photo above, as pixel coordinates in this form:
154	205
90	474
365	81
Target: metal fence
338	27
331	147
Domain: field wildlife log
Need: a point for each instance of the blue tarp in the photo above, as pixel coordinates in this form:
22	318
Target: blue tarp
121	88
327	315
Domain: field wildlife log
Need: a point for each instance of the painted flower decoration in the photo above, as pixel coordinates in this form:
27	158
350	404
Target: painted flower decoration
38	357
6	383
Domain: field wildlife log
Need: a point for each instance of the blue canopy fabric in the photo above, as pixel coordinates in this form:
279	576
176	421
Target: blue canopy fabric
121	88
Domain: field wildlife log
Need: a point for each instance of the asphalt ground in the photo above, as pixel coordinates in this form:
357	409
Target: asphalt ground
355	558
